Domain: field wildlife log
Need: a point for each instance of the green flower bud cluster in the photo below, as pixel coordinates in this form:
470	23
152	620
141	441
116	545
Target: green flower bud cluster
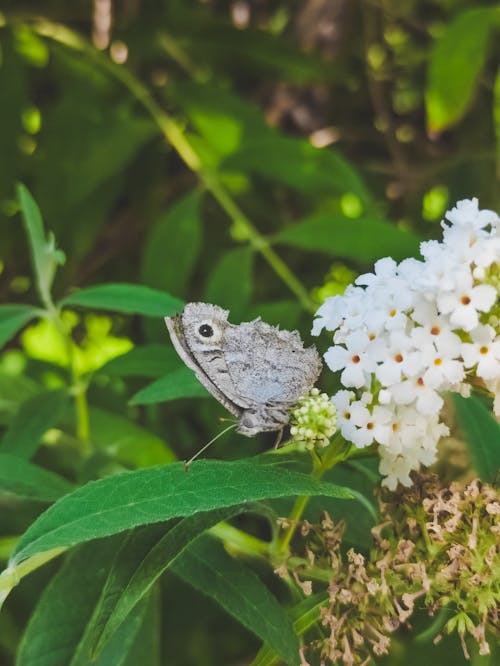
314	419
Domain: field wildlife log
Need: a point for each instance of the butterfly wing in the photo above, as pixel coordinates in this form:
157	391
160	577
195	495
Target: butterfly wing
204	355
272	367
255	370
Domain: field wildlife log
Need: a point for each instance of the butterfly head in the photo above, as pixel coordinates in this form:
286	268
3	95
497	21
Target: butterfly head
203	325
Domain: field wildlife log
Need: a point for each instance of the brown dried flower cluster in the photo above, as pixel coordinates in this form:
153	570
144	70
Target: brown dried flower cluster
438	547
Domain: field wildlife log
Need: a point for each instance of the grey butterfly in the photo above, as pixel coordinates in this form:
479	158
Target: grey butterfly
257	371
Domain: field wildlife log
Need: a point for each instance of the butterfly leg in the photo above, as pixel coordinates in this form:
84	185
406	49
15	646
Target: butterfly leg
278	439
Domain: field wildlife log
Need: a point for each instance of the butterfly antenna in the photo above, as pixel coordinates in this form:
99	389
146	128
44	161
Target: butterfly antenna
204	448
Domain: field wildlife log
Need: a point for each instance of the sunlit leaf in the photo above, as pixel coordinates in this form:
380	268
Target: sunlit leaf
145	496
33	419
362	239
43	341
181	383
24	480
128	298
239	139
455	63
482	434
206	565
13	318
33	49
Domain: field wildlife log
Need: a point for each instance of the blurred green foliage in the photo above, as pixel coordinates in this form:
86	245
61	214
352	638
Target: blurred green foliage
254	154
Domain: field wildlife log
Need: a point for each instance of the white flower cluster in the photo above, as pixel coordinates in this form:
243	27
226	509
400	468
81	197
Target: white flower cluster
411	331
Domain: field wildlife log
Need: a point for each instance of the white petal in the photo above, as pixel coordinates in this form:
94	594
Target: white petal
464	316
483	297
336	358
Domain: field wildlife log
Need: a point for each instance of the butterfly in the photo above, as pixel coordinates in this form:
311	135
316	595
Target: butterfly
257	371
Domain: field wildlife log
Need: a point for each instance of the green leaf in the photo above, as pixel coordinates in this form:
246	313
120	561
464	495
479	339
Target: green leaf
111	136
221	118
13	84
128	298
362	239
146	361
304	616
145	496
145	555
33	419
44	254
496	116
146	649
125	441
230	284
251	52
91	136
181	383
208	567
172	246
13	318
24	480
14	390
236	137
455	63
56	632
298	164
482	433
285	314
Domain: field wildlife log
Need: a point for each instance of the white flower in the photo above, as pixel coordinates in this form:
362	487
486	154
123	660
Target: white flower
342	401
348	308
467	214
355	361
395	469
464	302
401	357
370	425
414	390
408	332
483	351
439	350
442	269
385	272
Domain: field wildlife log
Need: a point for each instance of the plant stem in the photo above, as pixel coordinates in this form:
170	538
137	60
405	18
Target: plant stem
11	576
82	420
240	542
337	451
294	517
175	135
78	388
